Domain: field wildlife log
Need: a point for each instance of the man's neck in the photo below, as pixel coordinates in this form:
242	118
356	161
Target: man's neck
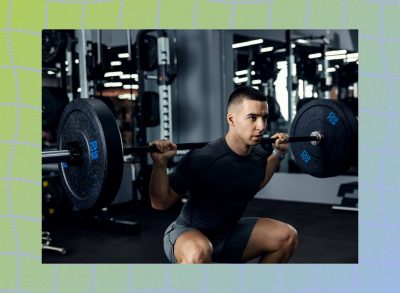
236	145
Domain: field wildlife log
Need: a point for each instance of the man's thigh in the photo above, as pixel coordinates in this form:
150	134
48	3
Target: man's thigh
266	237
231	249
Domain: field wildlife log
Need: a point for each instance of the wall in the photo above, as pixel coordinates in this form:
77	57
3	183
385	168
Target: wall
305	188
202	87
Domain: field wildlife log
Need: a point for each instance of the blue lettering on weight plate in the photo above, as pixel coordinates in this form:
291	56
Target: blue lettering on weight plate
94	150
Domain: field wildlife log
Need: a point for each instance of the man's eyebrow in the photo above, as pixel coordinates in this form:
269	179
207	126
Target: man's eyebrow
255	114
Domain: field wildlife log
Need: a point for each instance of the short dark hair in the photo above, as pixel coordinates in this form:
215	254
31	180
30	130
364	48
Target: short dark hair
246	92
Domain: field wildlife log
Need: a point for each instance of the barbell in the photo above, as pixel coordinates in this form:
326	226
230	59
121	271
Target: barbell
323	139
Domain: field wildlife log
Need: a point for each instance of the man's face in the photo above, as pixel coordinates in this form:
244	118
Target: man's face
248	120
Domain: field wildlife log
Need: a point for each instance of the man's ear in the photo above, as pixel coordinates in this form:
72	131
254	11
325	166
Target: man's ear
230	119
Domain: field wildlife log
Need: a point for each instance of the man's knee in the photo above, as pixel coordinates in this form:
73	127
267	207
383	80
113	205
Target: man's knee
195	252
290	237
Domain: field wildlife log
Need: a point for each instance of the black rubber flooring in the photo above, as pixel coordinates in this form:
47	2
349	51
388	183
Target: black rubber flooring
325	235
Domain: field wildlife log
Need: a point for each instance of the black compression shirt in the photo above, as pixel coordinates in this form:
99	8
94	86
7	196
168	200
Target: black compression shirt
220	184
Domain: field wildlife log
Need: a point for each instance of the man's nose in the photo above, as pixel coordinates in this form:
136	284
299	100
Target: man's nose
261	124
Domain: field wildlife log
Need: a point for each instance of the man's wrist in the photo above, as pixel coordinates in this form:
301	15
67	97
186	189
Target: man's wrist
160	164
279	155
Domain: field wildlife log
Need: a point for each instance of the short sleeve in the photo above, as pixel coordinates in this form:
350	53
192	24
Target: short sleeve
181	178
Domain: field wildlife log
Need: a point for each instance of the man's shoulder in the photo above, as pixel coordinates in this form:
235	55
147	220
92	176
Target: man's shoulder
210	151
203	157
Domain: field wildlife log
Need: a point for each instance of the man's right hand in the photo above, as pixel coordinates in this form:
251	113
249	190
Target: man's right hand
166	150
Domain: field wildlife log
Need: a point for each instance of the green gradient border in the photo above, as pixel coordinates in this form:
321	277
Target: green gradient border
21	22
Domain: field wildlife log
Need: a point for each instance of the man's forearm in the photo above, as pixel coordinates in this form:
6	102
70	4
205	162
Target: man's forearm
160	194
272	164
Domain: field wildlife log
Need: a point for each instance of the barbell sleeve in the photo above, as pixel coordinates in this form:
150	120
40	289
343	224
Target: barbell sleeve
57	156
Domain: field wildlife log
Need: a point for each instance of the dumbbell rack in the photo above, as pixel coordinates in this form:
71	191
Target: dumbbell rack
46	244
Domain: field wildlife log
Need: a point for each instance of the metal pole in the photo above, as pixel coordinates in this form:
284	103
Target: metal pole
82	65
58	156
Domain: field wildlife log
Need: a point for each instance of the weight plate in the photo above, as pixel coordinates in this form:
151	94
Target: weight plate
95	181
335	154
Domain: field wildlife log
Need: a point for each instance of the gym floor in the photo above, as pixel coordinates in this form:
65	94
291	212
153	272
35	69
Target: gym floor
325	235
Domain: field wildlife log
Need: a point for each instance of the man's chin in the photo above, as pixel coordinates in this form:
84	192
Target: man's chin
255	140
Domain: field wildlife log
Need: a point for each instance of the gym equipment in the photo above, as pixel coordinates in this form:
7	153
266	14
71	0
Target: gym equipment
147	44
55	205
92	176
151	109
53	44
90	150
338	148
46	244
54	101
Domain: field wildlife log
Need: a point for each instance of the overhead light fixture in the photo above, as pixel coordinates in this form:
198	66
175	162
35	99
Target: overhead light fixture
116	63
256	81
127	97
293	46
280	50
248	43
123	55
352	55
266	49
331	69
128	76
76	61
113	73
302	41
335	57
240	80
314	55
131	86
335	52
113	84
241	72
50	72
351	59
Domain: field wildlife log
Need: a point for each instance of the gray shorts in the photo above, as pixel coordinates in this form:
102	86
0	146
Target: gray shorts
225	250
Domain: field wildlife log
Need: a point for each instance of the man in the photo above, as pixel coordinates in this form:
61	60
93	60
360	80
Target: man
222	178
